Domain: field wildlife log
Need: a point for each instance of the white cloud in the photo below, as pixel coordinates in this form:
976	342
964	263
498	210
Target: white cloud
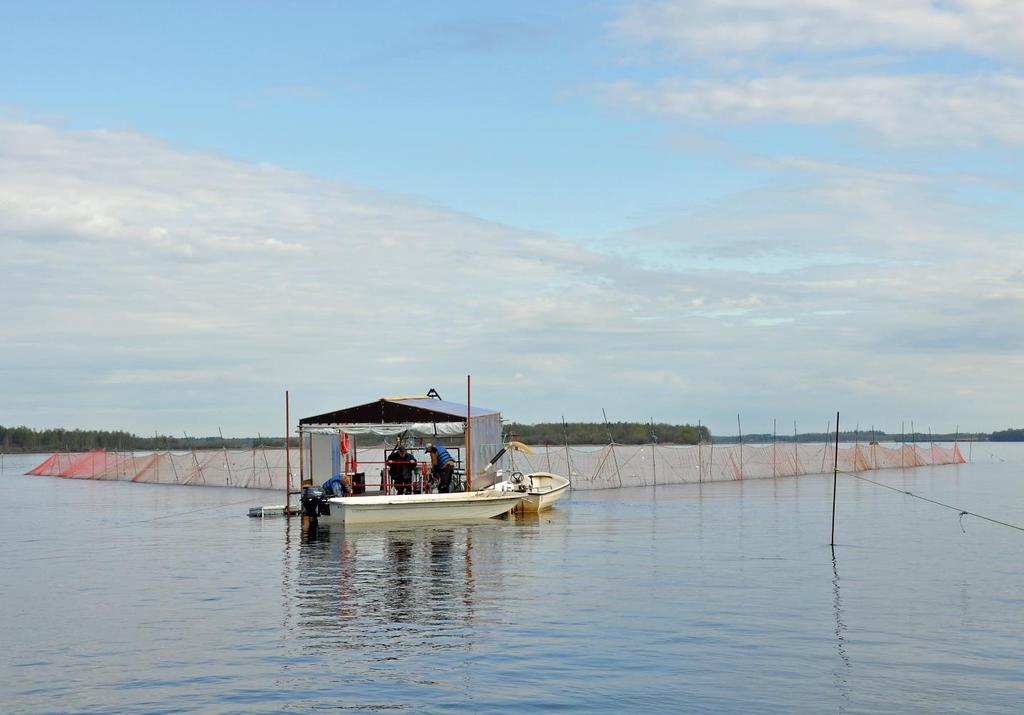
904	109
189	290
166	260
751	27
822	216
925	294
914	72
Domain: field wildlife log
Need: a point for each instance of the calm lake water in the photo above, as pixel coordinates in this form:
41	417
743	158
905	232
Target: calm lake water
140	598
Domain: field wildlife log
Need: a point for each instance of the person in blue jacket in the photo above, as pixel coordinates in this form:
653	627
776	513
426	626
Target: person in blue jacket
338	486
443	466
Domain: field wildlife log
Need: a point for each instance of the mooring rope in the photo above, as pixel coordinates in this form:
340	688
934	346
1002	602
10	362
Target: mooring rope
963	512
191	511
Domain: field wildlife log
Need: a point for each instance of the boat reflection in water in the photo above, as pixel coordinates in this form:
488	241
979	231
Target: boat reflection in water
401	616
353	587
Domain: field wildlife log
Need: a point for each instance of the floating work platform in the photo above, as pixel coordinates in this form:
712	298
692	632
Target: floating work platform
262	512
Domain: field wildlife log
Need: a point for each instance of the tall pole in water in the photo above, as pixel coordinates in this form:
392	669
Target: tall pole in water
739	431
611	445
654	454
913	441
874	444
287	458
796	451
224	447
774	427
700	456
469	436
565	438
711	457
835	478
198	471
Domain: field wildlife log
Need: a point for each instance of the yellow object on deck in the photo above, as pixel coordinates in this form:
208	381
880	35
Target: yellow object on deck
525	448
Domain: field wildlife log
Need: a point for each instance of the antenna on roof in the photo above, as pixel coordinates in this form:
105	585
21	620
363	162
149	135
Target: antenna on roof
433	394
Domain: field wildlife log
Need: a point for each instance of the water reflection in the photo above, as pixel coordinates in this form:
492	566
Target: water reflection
376	587
840	674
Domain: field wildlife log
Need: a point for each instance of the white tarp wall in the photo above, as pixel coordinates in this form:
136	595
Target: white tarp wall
486	439
320	457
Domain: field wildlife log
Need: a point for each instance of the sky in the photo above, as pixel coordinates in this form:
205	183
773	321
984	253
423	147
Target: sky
677	210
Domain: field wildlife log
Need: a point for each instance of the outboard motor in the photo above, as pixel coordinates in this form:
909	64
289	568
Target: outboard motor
314	502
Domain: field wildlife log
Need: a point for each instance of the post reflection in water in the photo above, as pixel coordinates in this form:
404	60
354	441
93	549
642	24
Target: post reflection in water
840	674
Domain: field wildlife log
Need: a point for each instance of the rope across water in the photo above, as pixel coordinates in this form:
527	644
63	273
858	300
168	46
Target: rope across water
963	512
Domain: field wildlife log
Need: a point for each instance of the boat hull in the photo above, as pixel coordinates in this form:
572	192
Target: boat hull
461	506
540	492
546	489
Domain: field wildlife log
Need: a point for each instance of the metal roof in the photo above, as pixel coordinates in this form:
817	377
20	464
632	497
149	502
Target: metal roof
398	410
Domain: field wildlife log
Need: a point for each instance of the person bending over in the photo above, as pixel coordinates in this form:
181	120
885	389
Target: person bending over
443	466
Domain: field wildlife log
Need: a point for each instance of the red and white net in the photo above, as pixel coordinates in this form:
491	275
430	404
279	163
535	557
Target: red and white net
607	467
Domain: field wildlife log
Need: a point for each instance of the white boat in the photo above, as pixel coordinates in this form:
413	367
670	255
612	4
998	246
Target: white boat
414	422
395	508
540	489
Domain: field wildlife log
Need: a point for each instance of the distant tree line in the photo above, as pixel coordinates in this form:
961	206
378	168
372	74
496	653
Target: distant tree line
848	436
600	433
24	439
1008	435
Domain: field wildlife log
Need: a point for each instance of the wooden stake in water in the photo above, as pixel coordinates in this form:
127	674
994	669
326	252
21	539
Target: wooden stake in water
469	435
700	456
835	478
739	432
774	425
654	453
711	457
796	451
611	446
227	460
287	458
903	441
565	438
